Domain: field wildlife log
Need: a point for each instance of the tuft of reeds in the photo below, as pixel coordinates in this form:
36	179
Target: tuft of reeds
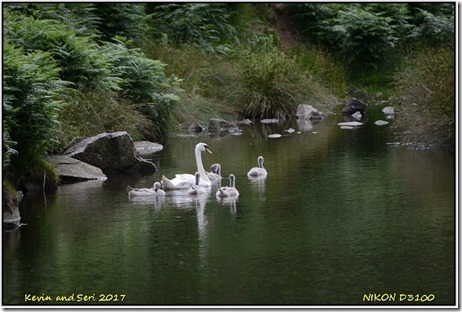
90	113
270	83
426	91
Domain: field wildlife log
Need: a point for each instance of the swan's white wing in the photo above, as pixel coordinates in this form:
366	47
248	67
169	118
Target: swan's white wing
257	172
142	192
190	179
175	184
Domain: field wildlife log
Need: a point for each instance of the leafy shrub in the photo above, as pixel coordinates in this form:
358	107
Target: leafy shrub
204	25
31	102
80	17
78	57
121	19
362	36
436	30
371	33
143	82
427	95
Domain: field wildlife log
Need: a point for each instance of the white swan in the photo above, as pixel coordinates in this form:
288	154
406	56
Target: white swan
135	192
215	173
228	191
258	172
182	181
197	189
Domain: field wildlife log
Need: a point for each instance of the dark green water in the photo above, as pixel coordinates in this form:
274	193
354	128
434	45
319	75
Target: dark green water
341	215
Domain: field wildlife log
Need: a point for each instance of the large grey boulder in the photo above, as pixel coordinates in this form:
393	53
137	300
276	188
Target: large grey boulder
217	124
308	112
72	170
112	153
11	217
146	149
196	127
353	106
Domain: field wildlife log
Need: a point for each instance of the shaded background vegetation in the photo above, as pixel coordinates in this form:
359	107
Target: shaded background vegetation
78	69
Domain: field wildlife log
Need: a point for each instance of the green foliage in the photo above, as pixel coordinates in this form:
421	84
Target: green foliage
269	82
372	33
31	103
427	98
51	53
200	24
321	66
80	17
78	57
90	113
362	36
143	82
121	19
436	30
210	83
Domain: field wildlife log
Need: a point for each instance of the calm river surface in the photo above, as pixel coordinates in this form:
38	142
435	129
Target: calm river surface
342	216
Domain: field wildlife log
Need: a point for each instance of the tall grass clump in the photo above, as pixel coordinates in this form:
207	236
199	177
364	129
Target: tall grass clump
427	98
272	85
269	86
209	82
92	112
321	66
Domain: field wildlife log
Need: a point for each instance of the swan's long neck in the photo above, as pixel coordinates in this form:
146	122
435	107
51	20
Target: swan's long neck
231	181
260	162
200	166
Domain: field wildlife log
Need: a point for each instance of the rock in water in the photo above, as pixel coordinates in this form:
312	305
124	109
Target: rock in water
353	106
10	211
350	124
146	149
112	153
357	116
388	110
72	170
381	122
216	124
308	112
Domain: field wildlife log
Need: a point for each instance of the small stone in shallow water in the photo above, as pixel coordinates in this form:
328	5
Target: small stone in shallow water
350	124
357	116
388	110
245	122
270	120
381	122
274	136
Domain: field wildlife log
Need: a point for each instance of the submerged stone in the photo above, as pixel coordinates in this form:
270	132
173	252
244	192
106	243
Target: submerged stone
350	124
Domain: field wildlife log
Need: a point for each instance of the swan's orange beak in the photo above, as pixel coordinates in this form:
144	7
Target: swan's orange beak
208	150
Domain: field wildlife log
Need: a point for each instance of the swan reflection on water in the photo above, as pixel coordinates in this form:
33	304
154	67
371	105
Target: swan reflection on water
230	202
157	201
259	183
